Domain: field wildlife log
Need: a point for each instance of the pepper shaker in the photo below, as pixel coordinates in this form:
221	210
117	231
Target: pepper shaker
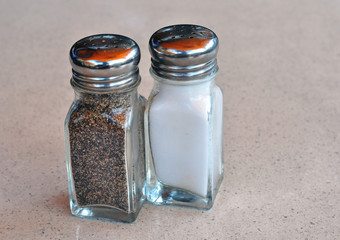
184	118
104	133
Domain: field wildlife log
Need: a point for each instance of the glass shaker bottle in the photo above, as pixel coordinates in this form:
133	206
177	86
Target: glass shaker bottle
104	134
184	118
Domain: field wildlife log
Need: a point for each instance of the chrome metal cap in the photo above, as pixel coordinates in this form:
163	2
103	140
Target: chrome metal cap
184	52
104	62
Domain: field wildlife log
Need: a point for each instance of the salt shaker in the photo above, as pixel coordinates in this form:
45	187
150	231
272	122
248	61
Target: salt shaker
104	132
184	118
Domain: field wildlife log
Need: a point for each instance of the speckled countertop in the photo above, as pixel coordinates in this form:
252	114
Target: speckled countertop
280	73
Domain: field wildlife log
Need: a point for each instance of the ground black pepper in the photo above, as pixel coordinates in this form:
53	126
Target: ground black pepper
97	149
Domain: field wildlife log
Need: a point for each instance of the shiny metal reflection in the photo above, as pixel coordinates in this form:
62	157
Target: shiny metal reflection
104	62
184	52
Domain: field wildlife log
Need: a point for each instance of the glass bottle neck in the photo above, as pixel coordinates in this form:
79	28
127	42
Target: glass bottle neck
210	78
119	99
188	88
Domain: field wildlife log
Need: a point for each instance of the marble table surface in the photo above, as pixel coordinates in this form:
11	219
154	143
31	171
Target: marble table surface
280	73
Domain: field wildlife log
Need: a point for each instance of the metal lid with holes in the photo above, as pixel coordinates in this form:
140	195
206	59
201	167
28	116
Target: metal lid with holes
184	52
104	62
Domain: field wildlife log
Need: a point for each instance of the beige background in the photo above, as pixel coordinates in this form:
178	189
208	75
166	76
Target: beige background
280	73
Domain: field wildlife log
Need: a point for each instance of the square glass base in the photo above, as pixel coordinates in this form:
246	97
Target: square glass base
163	194
104	212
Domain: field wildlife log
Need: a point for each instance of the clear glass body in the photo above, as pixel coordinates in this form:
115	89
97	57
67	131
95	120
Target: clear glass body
184	149
104	143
